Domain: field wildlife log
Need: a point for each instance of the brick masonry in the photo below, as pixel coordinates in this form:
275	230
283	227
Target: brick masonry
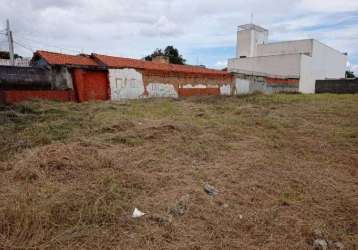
14	96
212	83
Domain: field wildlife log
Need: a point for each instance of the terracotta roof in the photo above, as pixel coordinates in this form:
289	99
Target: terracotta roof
53	58
120	62
63	59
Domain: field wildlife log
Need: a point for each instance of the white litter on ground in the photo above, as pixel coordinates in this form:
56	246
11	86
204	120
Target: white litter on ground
137	213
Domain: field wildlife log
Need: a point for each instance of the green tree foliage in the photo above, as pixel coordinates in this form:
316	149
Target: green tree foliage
169	51
350	74
6	55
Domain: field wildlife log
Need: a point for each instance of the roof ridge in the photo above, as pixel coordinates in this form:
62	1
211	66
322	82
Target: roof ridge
62	54
159	64
95	59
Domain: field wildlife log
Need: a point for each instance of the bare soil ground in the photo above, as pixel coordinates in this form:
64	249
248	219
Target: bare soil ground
285	166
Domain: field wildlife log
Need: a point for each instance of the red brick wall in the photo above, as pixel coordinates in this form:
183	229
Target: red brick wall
185	92
272	81
179	80
14	96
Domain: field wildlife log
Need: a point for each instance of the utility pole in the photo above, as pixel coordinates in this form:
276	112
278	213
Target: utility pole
11	42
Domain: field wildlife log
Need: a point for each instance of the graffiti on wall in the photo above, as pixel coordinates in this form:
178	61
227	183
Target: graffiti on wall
129	84
161	90
126	84
225	90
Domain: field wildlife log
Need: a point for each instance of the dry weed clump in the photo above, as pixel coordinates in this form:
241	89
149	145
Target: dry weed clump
58	191
58	161
285	167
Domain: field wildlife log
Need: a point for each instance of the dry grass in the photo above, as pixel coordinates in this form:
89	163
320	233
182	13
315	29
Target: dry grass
285	166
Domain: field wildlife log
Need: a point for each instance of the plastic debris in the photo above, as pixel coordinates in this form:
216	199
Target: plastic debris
210	190
137	213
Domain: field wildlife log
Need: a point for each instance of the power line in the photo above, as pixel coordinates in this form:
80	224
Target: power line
46	44
24	46
32	43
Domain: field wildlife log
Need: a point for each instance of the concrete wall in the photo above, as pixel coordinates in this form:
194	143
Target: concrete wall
248	42
135	84
18	62
328	62
287	66
307	82
126	84
31	78
340	86
284	48
61	78
248	84
325	62
24	78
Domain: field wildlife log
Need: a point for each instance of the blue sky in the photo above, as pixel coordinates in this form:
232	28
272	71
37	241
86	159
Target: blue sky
203	30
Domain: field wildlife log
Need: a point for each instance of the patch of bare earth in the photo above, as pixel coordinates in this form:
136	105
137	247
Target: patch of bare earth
285	167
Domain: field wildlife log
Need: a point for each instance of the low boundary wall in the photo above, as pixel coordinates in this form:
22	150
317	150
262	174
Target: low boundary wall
15	96
339	86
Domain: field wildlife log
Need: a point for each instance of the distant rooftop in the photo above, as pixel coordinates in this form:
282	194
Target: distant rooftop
96	60
252	26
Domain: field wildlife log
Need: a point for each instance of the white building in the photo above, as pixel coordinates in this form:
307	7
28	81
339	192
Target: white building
305	60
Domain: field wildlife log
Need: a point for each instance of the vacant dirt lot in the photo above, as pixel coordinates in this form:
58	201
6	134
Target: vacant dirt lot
285	166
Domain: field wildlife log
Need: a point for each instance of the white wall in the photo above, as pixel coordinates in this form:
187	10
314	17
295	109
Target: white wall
126	84
225	90
280	66
326	62
161	90
248	41
307	82
244	47
283	48
242	86
18	62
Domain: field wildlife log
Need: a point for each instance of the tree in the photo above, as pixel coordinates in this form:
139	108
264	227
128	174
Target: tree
157	52
6	55
169	51
350	74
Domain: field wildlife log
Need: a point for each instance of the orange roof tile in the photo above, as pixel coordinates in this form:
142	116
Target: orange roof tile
53	58
63	59
120	62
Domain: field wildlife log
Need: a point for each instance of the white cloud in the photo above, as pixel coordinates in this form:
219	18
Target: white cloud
162	27
329	5
221	64
352	67
135	28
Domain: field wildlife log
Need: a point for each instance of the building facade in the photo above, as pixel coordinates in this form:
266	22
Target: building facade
302	61
135	79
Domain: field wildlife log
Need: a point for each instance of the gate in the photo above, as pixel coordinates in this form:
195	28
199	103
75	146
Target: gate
90	85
